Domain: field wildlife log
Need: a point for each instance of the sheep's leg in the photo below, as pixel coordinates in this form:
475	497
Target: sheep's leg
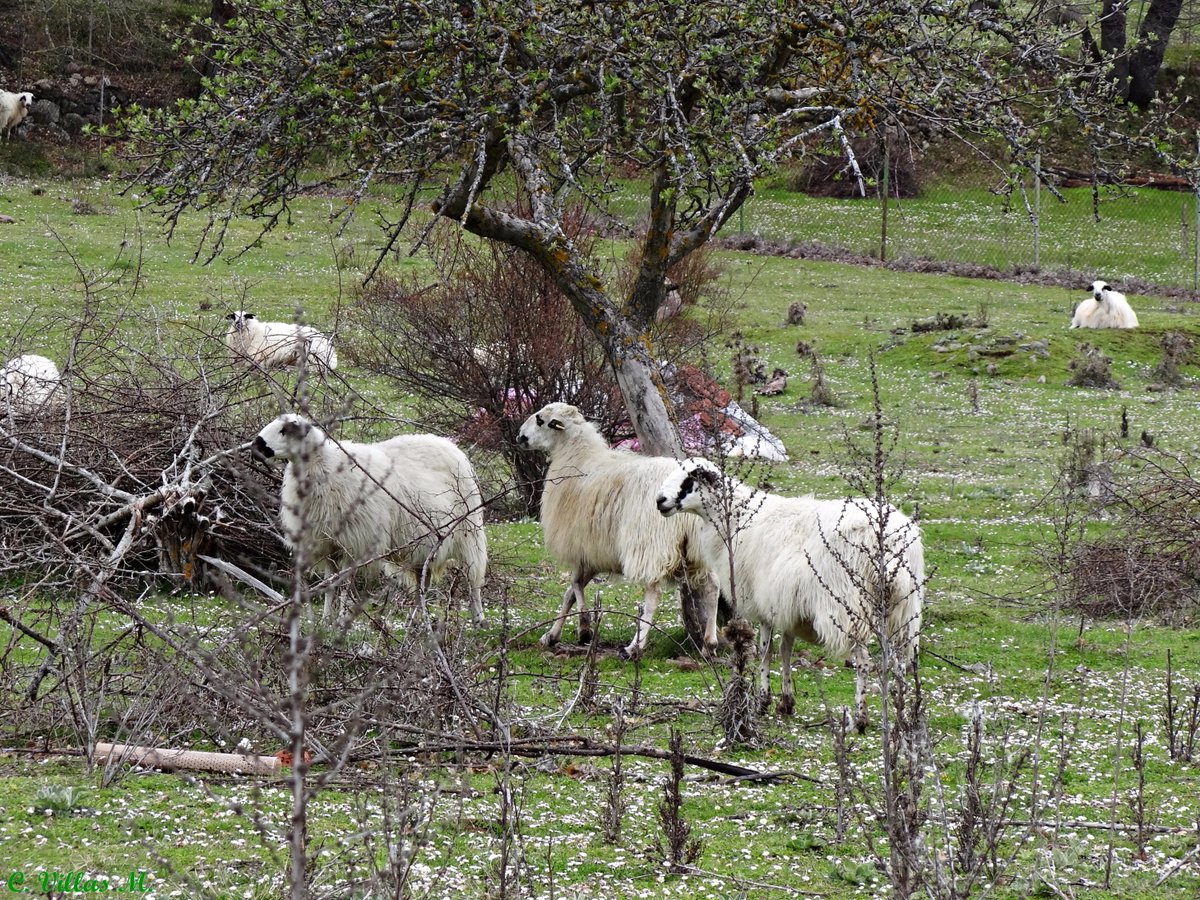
644	623
585	612
574	591
477	605
764	667
787	697
860	661
711	595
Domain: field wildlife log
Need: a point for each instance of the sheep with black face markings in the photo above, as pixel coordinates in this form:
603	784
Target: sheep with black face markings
806	568
31	383
598	517
404	508
13	110
278	345
1106	308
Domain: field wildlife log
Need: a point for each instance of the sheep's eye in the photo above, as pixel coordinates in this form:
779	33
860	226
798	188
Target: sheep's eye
539	421
686	487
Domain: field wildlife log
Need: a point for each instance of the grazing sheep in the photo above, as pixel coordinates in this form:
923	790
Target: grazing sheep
1106	308
31	382
13	110
598	517
404	508
805	568
278	345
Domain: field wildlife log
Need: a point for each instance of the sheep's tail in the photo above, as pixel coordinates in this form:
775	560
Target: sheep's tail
907	588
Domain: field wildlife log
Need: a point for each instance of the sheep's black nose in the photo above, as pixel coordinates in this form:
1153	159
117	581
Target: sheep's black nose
522	439
661	503
260	448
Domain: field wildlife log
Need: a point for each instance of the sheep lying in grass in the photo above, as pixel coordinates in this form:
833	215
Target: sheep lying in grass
1106	308
806	568
404	508
598	517
31	383
13	110
278	345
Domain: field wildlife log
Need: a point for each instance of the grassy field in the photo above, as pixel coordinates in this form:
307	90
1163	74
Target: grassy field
982	412
1141	233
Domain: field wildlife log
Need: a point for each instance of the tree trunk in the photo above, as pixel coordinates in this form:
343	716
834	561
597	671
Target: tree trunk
1112	43
636	372
1147	57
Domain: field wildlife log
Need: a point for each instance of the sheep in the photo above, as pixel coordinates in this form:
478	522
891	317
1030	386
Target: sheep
403	508
31	382
278	345
13	110
1106	308
597	518
806	568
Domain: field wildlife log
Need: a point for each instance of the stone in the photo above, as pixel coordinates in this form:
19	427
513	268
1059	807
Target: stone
45	112
73	123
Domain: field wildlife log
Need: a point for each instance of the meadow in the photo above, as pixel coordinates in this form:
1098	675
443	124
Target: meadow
986	423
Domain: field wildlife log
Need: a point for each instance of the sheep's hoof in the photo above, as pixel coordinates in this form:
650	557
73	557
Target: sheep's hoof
860	724
632	652
786	705
548	640
585	636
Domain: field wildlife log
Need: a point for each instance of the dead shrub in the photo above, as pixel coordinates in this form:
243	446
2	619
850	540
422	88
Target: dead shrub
828	175
1177	352
492	339
1091	368
1149	563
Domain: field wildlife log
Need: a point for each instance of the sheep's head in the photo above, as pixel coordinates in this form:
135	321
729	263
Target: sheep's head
683	489
541	430
238	320
25	99
284	438
1100	290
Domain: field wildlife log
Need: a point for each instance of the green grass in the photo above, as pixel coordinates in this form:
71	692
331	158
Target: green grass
977	470
1142	233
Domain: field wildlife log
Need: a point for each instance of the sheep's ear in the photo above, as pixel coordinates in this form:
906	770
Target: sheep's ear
231	316
556	425
292	429
249	316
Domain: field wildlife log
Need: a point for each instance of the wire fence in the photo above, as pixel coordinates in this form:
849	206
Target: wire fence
1009	223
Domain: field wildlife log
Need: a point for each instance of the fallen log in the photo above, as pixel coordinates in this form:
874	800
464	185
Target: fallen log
193	760
1079	178
579	745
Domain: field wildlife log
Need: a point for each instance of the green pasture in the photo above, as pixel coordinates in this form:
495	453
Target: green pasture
1141	233
983	415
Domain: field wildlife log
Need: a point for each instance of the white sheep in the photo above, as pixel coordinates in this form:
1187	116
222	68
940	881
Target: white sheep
806	568
1106	308
278	345
13	110
598	517
404	508
31	382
